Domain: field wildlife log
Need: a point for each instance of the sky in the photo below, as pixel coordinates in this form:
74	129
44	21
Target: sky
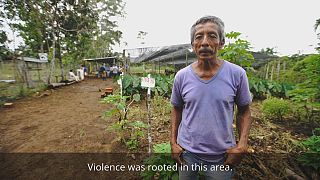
286	25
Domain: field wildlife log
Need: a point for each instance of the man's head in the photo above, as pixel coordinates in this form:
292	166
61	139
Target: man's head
212	19
207	37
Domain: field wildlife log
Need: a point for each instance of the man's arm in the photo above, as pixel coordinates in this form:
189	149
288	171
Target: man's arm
243	125
176	150
243	122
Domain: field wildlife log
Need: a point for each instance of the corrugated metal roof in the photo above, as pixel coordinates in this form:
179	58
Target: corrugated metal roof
100	59
30	59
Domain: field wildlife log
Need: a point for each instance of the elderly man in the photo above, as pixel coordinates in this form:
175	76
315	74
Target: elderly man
203	98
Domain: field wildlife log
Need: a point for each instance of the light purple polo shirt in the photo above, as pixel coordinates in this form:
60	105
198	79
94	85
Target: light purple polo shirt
207	116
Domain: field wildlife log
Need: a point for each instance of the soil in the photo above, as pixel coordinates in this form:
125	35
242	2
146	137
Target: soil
65	128
62	120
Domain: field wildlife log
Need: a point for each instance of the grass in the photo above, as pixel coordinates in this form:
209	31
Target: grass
148	68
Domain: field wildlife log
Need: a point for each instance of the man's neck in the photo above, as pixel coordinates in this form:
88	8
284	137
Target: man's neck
208	64
205	69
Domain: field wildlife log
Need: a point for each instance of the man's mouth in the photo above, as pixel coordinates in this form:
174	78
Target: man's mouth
205	51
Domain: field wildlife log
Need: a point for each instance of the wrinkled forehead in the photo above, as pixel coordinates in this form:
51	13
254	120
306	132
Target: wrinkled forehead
208	26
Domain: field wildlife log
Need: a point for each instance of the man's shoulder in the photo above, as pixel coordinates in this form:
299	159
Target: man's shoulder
234	68
183	72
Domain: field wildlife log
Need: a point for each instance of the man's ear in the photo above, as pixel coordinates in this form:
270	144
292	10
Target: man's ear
221	44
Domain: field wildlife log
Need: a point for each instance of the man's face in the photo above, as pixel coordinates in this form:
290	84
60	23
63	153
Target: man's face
206	42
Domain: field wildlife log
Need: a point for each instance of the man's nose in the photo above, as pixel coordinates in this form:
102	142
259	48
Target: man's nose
205	41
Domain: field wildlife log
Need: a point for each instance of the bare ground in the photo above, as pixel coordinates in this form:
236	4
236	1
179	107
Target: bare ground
70	120
67	119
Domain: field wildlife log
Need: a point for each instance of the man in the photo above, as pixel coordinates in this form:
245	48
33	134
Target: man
115	70
108	70
72	76
203	97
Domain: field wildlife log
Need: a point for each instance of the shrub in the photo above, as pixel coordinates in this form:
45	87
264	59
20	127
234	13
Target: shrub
132	85
275	108
260	88
136	133
312	156
161	157
123	127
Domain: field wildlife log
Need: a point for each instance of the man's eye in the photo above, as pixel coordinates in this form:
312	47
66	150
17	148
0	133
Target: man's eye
198	37
213	36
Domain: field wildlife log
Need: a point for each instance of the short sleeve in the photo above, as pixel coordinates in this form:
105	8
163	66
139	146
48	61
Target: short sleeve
243	96
176	97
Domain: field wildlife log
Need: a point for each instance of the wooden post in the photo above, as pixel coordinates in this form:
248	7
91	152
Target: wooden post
174	65
124	60
38	69
267	72
186	58
25	74
272	69
278	69
159	66
129	63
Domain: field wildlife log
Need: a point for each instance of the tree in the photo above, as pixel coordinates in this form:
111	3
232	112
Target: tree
269	51
238	51
316	26
69	27
4	51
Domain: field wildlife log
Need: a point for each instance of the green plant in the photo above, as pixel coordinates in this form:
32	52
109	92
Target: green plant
275	108
131	85
307	91
261	88
161	105
121	107
122	126
136	129
238	51
161	157
163	84
312	156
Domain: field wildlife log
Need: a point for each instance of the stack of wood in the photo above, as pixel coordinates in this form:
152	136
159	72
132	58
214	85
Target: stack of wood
107	91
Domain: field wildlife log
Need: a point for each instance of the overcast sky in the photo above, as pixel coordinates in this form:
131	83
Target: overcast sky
287	25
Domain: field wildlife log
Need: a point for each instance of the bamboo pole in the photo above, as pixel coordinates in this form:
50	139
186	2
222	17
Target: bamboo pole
267	72
272	69
278	70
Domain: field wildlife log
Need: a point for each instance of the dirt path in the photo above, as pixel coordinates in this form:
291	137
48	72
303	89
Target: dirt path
68	120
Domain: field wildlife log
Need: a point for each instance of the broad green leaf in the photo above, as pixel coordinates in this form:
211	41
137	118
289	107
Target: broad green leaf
136	97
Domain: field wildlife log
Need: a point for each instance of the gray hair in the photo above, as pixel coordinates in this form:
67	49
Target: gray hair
212	19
